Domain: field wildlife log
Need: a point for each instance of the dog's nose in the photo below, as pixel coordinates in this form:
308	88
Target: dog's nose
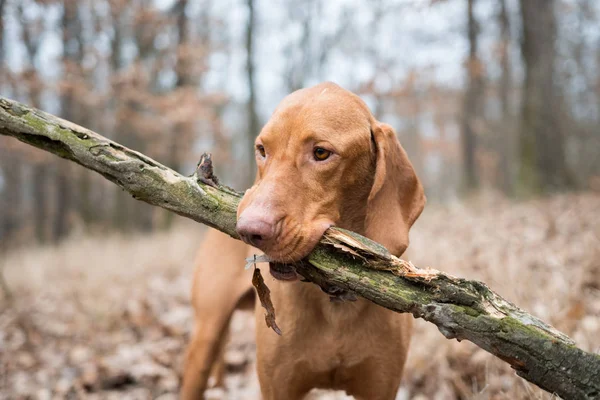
255	231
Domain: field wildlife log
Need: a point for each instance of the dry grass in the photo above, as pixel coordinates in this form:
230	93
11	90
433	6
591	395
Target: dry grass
107	317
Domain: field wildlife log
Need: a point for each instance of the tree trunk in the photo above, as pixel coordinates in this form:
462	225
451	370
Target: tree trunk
40	176
473	102
40	170
253	122
62	186
85	204
72	55
505	138
597	85
183	67
120	217
11	199
2	44
460	308
6	222
543	164
184	78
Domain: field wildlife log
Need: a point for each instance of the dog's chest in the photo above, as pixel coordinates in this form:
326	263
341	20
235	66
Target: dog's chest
335	336
330	349
323	338
336	352
327	345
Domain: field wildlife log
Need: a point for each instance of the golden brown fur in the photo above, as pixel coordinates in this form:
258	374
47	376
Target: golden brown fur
367	185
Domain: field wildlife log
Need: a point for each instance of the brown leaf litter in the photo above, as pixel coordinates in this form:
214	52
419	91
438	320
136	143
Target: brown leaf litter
108	317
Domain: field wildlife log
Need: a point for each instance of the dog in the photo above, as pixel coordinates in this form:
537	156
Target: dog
323	160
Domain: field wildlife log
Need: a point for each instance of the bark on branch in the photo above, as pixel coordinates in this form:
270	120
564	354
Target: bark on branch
460	308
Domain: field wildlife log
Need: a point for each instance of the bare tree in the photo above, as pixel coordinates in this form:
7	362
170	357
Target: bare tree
6	218
543	165
118	12
11	170
134	87
40	171
582	124
72	56
597	85
506	135
252	113
184	78
82	87
2	46
297	53
473	101
184	128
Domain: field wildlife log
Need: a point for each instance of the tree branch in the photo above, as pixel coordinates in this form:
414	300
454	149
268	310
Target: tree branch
460	308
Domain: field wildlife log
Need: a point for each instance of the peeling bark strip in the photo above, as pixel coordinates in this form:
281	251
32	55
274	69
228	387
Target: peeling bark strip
460	308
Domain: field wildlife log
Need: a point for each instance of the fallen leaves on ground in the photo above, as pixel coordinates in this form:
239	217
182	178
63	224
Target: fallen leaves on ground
108	317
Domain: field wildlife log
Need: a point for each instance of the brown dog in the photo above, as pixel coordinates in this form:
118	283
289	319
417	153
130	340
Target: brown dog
323	160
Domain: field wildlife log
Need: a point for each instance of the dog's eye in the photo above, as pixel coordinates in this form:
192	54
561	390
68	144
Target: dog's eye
321	154
261	150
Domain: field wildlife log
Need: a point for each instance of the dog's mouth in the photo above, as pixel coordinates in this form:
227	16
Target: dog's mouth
283	272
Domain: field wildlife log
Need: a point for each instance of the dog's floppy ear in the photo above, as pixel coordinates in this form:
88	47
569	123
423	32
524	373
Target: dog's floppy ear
397	198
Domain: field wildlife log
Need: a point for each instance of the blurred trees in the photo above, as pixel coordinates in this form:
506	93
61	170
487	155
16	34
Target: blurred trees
474	97
489	93
124	68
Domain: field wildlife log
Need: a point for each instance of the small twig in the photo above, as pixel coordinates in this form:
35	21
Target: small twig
204	171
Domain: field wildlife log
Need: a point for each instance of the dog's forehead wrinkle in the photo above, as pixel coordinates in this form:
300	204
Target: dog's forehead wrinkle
324	113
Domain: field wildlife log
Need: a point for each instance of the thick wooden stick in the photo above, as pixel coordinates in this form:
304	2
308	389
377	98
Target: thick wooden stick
460	308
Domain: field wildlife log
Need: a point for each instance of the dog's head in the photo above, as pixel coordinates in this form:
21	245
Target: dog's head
324	160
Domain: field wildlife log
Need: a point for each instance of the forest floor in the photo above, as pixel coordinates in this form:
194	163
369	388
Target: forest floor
108	317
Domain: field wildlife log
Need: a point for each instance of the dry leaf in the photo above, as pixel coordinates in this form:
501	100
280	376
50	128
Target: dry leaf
264	294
